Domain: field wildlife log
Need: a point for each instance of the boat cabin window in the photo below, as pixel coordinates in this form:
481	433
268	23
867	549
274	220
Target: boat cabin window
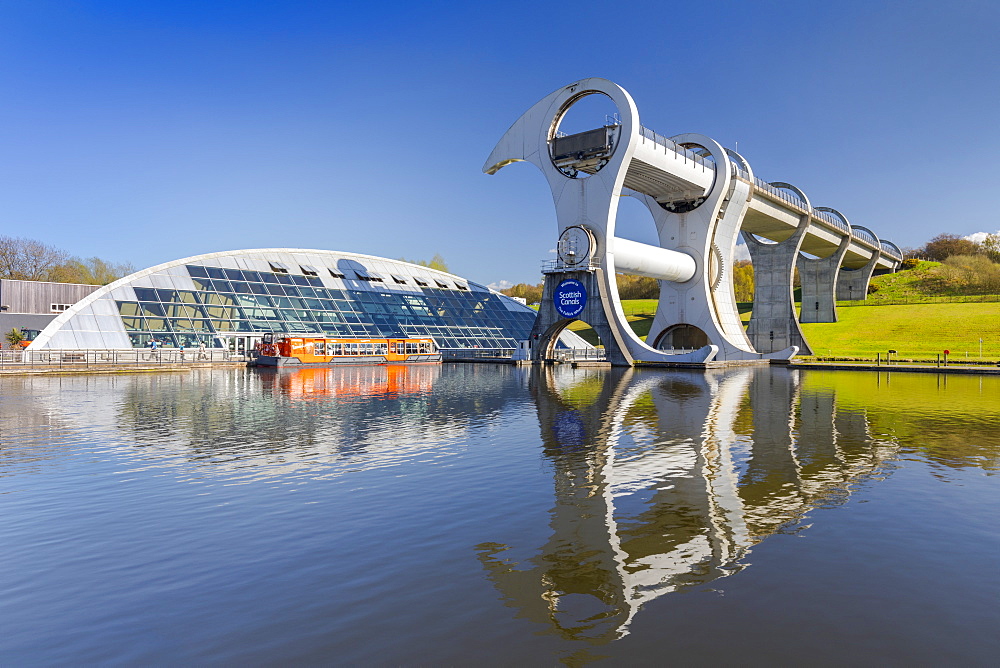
319	347
268	338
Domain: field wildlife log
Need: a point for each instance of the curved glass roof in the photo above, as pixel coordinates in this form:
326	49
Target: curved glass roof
212	298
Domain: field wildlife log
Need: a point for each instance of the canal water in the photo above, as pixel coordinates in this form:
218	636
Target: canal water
494	515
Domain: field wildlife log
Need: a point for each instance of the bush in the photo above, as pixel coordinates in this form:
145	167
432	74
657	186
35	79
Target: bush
910	263
532	294
637	287
944	246
970	274
14	337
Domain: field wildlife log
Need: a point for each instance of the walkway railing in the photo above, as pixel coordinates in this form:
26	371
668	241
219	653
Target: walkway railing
865	236
738	171
784	195
669	144
476	353
98	358
551	266
831	219
578	354
788	197
892	250
858	233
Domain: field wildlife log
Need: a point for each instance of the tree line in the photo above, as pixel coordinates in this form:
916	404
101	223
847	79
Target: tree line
31	260
970	264
644	287
944	246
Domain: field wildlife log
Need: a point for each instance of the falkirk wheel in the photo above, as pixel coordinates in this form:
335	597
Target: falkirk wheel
701	197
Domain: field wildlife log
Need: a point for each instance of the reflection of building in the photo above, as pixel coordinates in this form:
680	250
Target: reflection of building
664	481
228	299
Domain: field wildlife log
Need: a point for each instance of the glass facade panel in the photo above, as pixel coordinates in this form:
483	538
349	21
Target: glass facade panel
242	301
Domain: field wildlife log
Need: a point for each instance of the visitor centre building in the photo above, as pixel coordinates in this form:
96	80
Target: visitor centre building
230	299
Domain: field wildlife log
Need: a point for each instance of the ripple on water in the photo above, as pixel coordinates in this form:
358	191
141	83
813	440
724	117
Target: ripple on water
466	512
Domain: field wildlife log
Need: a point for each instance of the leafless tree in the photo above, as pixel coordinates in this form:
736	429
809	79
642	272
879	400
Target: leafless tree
27	259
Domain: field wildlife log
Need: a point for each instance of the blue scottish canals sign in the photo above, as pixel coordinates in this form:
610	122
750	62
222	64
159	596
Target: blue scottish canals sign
570	298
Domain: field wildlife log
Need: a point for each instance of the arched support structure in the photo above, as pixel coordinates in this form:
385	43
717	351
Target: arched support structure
550	323
852	282
708	233
700	195
819	281
774	324
586	196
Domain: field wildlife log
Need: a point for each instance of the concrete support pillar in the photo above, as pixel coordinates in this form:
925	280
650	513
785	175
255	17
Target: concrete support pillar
819	285
773	323
549	323
853	283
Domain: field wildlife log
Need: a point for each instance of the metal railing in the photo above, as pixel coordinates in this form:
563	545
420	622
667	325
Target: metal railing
831	219
738	171
476	353
892	250
98	358
863	235
784	195
578	354
671	145
552	266
858	233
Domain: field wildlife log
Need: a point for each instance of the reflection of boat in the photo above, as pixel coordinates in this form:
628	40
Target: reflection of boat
282	350
380	382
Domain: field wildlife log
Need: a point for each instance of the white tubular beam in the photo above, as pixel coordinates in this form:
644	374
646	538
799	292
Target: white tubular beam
632	257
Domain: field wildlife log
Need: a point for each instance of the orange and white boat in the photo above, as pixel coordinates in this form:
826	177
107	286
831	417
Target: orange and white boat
288	350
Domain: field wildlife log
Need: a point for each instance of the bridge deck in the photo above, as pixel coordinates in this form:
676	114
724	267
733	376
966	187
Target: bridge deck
671	174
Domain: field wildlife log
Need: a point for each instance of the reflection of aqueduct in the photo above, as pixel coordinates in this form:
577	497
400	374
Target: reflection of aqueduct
668	480
701	196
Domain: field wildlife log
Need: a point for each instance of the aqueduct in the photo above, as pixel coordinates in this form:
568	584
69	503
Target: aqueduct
701	196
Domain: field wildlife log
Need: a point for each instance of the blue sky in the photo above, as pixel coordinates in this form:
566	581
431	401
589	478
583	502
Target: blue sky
149	131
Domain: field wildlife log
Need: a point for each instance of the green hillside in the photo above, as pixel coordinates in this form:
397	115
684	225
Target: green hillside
912	312
914	330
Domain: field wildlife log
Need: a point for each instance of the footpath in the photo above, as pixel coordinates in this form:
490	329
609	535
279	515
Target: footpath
48	369
959	369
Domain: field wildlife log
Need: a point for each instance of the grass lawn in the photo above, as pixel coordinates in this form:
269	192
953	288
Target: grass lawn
914	330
